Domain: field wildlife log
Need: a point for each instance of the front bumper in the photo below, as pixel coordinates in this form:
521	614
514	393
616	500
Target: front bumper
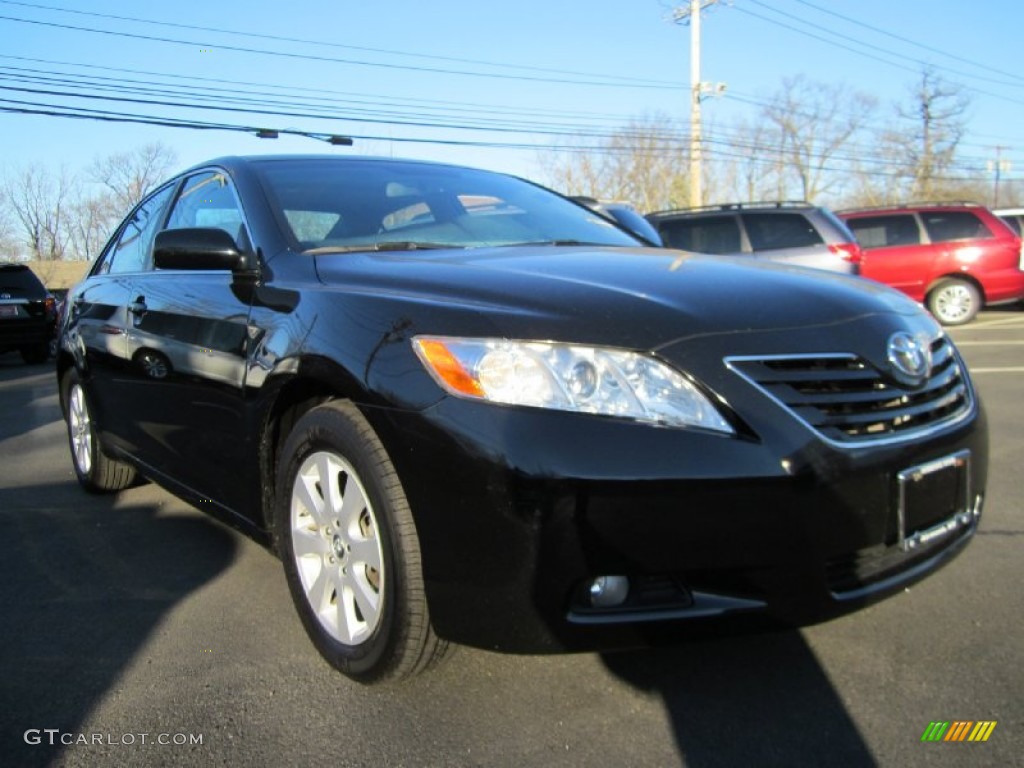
519	510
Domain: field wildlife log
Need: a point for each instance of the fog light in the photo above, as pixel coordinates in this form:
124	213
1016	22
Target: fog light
608	591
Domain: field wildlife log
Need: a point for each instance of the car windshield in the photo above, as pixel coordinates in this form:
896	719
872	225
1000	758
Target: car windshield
355	204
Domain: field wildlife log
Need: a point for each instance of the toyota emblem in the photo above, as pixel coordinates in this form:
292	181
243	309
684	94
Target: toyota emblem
910	358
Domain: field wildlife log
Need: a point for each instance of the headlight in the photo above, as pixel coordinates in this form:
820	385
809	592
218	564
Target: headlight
568	377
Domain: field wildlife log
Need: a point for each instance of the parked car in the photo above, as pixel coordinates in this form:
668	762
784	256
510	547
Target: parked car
464	408
953	257
28	314
791	232
623	214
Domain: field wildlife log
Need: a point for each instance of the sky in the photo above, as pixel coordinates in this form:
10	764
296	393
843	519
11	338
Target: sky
489	84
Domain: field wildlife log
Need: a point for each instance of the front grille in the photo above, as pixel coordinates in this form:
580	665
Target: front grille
847	399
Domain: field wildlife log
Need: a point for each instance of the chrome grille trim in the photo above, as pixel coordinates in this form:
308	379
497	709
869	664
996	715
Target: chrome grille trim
849	402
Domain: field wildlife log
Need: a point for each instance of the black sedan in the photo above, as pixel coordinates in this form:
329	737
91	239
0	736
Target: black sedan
463	408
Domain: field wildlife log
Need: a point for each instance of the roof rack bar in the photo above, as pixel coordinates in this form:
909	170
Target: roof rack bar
739	206
915	204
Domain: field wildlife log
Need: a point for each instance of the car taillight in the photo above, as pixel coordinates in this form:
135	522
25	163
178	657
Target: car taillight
50	304
850	252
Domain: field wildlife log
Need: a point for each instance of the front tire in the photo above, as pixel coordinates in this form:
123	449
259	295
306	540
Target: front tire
350	550
954	301
96	472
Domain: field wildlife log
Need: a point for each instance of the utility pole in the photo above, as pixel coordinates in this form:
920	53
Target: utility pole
999	166
698	89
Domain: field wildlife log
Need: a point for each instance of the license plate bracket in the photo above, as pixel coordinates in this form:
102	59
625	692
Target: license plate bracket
933	500
8	310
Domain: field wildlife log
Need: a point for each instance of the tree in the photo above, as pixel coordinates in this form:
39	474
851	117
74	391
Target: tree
8	244
643	163
40	202
749	172
93	218
814	126
931	129
130	176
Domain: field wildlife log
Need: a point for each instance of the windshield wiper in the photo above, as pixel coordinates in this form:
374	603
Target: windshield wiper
384	245
553	242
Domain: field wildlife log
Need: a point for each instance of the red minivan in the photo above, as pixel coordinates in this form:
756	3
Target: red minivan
953	257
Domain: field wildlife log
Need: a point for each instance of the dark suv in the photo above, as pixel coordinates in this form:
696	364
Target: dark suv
953	257
28	314
790	232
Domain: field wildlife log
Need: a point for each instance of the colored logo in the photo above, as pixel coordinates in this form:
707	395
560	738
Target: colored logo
959	730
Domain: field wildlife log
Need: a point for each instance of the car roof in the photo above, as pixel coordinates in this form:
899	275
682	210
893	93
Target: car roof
911	207
231	162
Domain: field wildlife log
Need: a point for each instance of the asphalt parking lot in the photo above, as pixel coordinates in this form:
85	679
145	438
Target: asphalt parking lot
146	634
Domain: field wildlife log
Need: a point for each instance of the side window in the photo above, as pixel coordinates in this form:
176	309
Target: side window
943	226
884	231
772	231
715	234
208	200
131	252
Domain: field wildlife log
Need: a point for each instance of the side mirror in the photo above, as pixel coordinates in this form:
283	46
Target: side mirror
197	248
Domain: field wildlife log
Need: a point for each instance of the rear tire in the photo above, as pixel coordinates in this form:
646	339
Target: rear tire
954	301
96	472
350	549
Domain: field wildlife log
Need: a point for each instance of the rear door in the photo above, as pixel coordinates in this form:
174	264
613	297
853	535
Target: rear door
896	252
789	238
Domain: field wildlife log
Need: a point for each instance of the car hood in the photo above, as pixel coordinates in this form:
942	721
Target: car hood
632	296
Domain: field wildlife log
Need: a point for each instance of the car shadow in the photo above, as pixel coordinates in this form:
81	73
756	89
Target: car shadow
747	700
26	387
82	586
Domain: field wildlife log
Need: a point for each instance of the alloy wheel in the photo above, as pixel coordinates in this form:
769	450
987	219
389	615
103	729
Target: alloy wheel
80	425
337	548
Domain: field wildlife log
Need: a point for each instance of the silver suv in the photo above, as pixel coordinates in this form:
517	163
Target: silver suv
793	233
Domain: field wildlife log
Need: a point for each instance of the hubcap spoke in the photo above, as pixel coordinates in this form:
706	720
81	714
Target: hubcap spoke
352	509
365	596
327	473
308	543
366	552
321	591
306	497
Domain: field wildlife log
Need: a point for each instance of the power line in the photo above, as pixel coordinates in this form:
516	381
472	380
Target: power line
332	44
908	41
292	88
334	60
863	44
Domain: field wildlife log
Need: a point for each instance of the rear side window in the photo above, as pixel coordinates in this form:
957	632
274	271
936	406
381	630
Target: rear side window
1014	222
885	231
772	231
943	226
715	234
20	282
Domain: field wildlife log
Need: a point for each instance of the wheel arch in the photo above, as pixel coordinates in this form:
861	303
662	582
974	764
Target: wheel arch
965	276
316	381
